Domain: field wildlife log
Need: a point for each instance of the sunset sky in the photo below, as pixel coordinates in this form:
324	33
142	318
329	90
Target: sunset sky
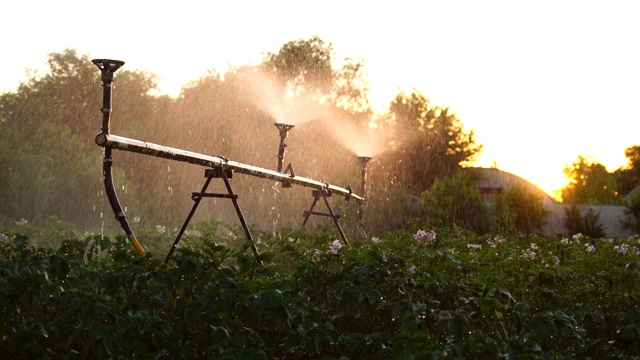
540	82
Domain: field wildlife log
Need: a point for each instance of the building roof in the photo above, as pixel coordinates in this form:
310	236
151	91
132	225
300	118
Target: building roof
493	178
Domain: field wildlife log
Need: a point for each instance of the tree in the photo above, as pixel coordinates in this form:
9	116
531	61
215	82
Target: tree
351	88
590	184
50	160
629	176
519	209
431	141
634	211
304	65
455	200
307	68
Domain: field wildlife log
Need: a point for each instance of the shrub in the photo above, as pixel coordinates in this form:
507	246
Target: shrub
587	224
519	210
455	200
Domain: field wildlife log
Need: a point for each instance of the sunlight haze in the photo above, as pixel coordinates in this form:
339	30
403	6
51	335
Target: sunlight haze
539	82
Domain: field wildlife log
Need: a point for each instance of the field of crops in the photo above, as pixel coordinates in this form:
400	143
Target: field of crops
424	293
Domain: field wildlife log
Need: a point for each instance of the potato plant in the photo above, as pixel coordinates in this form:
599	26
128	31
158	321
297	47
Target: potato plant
425	293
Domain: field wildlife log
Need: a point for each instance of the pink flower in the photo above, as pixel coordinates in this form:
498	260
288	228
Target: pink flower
4	238
589	248
334	246
495	241
529	254
421	235
622	249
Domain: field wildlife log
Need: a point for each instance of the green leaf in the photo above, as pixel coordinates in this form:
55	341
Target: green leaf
271	299
247	244
488	305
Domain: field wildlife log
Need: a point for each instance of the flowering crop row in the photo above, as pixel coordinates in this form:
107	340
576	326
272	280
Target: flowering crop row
426	293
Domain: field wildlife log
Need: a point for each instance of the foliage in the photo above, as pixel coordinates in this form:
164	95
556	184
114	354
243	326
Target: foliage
51	165
455	200
432	141
590	184
634	211
303	64
49	161
587	224
519	210
436	293
629	176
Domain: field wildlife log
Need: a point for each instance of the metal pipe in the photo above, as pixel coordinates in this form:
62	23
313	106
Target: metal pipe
166	152
284	129
109	142
108	68
364	161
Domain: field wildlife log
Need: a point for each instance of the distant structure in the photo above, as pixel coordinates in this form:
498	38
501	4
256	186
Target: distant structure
631	194
493	182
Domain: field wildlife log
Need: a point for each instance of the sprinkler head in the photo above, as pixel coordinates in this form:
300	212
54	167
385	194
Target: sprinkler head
364	159
284	129
107	67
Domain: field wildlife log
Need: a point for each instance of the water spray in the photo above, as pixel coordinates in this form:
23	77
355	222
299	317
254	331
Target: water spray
364	161
219	167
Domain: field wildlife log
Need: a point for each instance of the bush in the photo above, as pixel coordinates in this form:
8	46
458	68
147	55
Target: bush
588	225
519	210
455	200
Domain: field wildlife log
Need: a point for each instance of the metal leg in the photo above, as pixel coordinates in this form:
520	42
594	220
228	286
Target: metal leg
317	194
211	174
335	221
308	213
196	197
234	199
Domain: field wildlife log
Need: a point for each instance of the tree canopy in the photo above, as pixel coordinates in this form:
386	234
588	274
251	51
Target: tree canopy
52	165
590	183
432	142
629	176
